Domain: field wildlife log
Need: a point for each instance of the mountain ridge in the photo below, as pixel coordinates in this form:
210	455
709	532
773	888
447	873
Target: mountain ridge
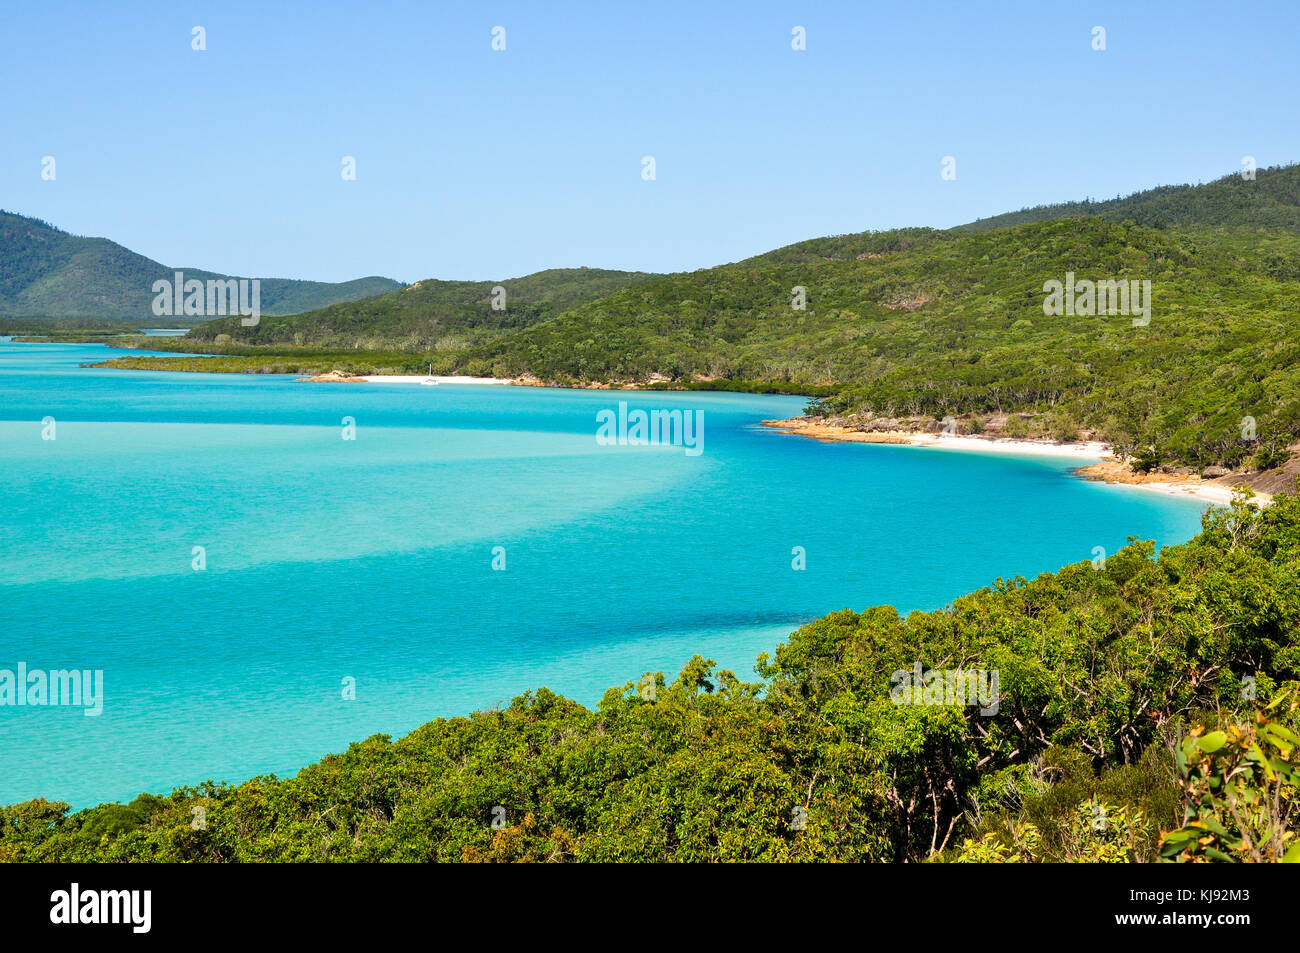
1271	199
433	313
46	272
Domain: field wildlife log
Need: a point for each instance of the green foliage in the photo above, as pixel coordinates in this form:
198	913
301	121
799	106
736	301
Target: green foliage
279	360
1017	428
98	330
1101	672
1272	200
1096	833
1242	788
1035	811
430	316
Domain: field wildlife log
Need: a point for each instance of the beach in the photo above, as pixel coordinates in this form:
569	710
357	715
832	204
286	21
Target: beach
1098	461
336	378
422	378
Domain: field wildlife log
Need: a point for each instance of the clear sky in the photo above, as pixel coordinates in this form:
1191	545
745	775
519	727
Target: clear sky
474	163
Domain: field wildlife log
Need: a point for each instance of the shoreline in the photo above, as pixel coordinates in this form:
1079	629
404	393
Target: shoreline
1099	463
830	433
421	378
332	378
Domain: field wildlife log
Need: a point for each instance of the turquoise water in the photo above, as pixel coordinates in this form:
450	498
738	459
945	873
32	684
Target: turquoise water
371	558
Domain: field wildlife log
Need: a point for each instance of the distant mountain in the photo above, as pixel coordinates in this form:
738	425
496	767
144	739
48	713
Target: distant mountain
1271	200
433	314
46	272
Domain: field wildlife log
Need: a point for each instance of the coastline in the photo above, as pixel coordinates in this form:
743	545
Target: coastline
335	378
1098	461
831	433
421	378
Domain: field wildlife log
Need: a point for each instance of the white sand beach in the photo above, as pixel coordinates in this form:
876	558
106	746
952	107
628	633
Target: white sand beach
421	378
336	377
1097	461
1089	450
1207	492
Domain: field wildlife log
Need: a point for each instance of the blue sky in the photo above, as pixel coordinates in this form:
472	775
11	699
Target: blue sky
479	164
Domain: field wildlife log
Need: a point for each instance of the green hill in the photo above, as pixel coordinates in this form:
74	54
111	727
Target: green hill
430	314
1271	200
46	272
901	328
933	324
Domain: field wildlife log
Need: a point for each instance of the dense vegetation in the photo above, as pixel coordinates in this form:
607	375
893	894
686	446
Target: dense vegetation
936	324
242	359
90	327
901	328
430	315
66	332
1271	200
46	272
1125	709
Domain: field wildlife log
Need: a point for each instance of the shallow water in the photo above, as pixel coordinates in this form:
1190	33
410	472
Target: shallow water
371	558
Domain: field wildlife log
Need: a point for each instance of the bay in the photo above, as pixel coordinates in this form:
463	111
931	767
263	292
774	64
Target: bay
371	559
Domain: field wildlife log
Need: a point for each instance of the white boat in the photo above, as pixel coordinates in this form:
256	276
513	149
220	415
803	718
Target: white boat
429	381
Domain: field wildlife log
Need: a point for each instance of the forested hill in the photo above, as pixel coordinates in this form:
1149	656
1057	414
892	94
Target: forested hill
1271	200
914	324
47	273
432	314
902	328
935	324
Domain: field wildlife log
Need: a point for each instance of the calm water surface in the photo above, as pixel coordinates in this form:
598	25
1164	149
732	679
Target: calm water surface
371	558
